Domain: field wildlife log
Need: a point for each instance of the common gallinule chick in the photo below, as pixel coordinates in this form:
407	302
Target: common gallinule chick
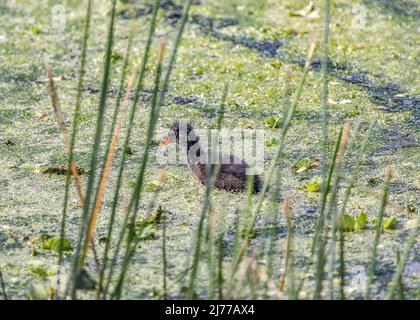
232	174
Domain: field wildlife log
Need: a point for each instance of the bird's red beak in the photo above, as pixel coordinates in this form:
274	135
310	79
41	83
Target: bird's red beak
165	141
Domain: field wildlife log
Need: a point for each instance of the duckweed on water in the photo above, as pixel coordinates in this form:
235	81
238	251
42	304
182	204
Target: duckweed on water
372	75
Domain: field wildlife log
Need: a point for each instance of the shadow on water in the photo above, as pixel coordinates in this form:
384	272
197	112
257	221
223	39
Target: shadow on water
404	8
22	74
388	96
395	137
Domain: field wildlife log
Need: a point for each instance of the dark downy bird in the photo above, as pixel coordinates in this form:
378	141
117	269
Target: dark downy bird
232	174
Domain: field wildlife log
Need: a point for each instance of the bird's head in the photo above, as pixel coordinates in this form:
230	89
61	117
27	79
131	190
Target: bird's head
178	130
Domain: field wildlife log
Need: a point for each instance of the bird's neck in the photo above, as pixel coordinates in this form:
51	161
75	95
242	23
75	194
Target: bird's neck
196	145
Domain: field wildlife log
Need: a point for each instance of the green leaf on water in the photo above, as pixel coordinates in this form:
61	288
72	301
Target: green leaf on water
350	223
147	232
153	186
305	164
36	30
40	272
313	185
390	223
347	223
146	227
361	220
273	123
252	234
116	56
54	244
271	142
387	223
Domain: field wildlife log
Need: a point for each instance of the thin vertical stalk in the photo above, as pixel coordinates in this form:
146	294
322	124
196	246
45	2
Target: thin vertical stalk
63	129
331	210
220	280
212	172
356	169
119	179
164	264
353	177
241	226
75	123
211	253
58	112
319	227
274	162
3	286
111	134
277	187
120	93
342	264
287	210
334	219
397	279
136	195
324	64
135	198
107	166
80	259
378	229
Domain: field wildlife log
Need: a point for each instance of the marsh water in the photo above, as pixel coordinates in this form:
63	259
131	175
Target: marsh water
374	75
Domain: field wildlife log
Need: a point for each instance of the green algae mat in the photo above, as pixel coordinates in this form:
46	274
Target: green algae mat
252	47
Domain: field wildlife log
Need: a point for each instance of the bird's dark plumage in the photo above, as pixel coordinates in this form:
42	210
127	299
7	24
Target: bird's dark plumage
232	174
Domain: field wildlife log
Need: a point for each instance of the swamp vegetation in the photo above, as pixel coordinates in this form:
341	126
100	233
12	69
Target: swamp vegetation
87	210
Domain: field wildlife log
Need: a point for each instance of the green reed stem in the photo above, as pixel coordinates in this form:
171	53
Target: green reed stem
320	250
342	264
334	219
277	188
211	231
3	286
324	64
76	116
319	228
409	244
353	178
356	168
121	90
135	198
164	264
212	172
110	137
331	213
132	113
96	145
241	226
378	230
220	256
139	183
80	259
286	125
285	279
184	20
